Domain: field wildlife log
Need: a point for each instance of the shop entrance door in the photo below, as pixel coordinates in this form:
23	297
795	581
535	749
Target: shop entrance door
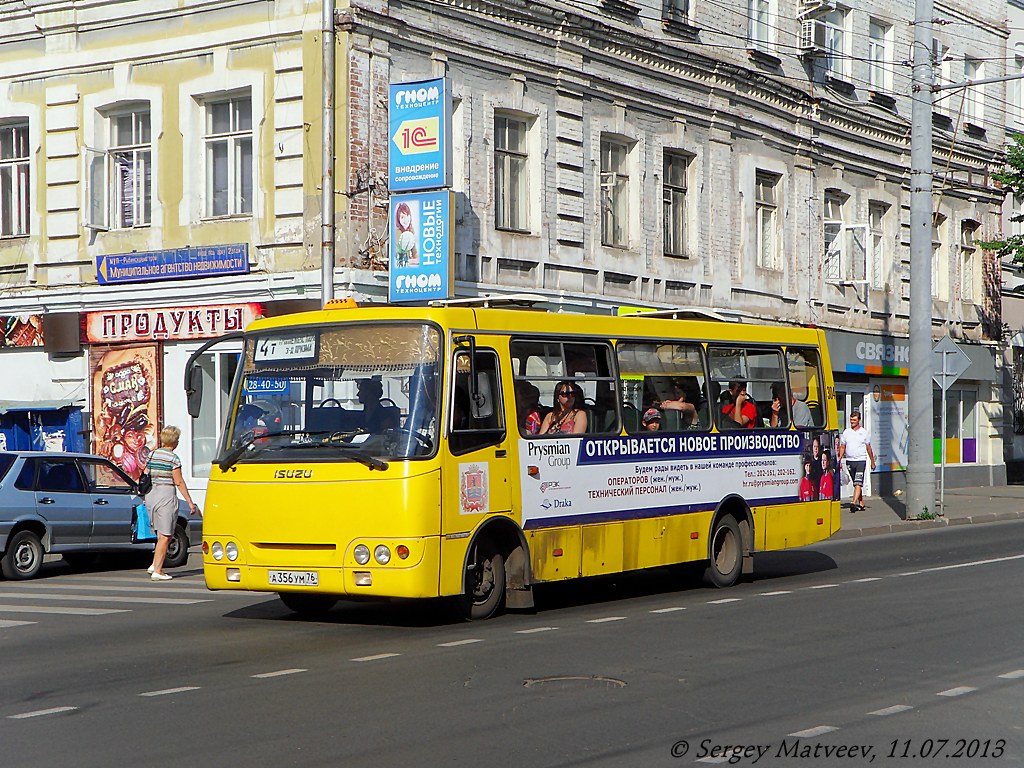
849	399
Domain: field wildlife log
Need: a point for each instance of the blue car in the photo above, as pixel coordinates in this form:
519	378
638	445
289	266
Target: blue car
75	505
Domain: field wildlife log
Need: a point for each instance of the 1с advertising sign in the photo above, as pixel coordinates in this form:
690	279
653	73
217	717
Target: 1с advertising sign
420	125
420	247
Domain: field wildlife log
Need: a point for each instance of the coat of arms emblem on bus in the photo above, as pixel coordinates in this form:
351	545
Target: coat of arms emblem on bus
473	488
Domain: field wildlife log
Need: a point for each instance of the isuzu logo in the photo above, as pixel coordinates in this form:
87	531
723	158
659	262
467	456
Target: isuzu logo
292	474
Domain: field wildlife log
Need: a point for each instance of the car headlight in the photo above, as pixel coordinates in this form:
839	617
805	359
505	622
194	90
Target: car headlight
217	550
362	554
231	550
382	554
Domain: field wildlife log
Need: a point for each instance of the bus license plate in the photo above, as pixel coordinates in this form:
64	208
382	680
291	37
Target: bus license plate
294	578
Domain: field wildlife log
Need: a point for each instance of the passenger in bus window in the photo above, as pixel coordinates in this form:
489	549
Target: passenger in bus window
376	418
739	408
528	408
652	420
678	402
780	416
568	415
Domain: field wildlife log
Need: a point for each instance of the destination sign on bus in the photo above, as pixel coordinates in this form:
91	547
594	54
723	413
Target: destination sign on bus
278	348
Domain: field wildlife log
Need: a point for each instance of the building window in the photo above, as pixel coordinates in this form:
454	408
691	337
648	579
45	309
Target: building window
876	238
14	180
614	193
941	72
229	162
1016	92
131	169
968	261
938	281
836	55
961	439
674	203
879	56
759	28
766	204
677	11
974	96
833	236
511	174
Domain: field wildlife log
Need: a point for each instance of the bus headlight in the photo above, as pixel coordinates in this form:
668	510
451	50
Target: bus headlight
217	550
382	554
361	554
231	550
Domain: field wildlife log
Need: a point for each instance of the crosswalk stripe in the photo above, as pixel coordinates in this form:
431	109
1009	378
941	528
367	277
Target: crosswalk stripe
29	589
6	623
61	609
104	598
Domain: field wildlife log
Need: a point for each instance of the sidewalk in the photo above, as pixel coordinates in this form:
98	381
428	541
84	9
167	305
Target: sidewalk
985	504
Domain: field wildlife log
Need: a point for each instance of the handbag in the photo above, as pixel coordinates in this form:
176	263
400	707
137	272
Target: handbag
145	483
142	529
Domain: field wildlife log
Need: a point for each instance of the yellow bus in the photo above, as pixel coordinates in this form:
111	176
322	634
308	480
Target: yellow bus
474	452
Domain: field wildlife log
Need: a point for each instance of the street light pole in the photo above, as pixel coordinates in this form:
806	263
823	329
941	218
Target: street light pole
327	158
920	462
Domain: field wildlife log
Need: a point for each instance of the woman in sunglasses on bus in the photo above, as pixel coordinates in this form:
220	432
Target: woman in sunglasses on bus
567	416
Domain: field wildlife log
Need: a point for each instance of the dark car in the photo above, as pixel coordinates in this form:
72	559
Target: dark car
75	505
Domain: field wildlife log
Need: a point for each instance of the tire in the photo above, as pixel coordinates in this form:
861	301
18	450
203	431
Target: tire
306	604
726	563
177	550
24	556
485	584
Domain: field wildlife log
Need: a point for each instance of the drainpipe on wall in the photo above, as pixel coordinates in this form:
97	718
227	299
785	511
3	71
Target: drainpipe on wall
327	159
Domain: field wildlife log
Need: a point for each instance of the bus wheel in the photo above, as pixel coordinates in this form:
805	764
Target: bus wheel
307	605
485	583
726	553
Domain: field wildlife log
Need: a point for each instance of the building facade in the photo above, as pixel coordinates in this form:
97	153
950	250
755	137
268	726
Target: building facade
749	157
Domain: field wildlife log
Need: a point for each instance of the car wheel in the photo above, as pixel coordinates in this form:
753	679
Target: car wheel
177	550
24	556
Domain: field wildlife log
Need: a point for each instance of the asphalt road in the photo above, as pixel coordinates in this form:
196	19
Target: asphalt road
890	650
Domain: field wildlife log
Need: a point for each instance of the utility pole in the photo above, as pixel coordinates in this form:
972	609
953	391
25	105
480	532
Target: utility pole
920	462
327	158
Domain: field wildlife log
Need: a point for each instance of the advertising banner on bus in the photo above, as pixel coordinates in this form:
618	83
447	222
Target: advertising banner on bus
568	482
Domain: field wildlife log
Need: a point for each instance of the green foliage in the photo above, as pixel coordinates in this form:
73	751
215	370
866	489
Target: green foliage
1012	179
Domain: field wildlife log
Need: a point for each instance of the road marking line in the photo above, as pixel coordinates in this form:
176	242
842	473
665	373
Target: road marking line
957	691
169	691
60	609
725	600
106	598
971	564
605	619
865	581
279	673
455	643
779	592
12	623
715	760
376	657
669	610
535	629
1013	675
41	712
139	588
823	586
810	733
893	710
910	573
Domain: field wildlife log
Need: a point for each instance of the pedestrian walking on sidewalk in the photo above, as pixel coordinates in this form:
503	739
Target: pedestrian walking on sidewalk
162	501
855	448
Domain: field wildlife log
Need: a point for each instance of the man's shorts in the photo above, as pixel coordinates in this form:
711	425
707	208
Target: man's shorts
856	469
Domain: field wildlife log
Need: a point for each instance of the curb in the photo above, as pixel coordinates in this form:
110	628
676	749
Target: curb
918	525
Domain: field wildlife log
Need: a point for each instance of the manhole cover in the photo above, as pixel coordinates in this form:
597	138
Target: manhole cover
574	682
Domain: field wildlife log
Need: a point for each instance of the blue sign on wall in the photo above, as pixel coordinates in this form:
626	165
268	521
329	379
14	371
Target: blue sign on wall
173	264
421	246
420	127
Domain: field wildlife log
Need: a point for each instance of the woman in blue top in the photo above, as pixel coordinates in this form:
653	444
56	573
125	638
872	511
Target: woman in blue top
162	502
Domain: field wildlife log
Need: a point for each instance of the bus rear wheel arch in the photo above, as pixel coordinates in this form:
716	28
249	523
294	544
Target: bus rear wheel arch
725	552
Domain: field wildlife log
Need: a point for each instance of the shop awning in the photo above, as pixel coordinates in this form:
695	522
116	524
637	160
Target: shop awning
34	405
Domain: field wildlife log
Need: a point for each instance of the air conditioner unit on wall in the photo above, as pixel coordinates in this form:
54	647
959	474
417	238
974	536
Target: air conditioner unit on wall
813	34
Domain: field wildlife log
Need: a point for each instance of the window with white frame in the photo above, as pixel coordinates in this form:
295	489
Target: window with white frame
614	192
766	204
974	95
941	73
836	41
1016	222
1016	91
674	202
879	56
833	235
759	24
968	261
130	153
511	174
14	179
677	10
876	233
229	160
938	262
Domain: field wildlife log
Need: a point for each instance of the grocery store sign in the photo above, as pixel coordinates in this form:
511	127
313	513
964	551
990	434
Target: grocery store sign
168	323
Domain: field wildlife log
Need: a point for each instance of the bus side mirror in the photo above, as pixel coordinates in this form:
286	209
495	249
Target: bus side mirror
194	391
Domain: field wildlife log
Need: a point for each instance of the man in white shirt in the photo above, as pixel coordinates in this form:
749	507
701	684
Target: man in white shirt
855	447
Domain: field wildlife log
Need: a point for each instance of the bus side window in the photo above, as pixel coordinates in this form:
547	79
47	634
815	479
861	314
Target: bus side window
804	369
473	426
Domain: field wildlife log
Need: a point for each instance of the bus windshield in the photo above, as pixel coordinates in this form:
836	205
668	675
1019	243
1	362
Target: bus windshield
354	392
